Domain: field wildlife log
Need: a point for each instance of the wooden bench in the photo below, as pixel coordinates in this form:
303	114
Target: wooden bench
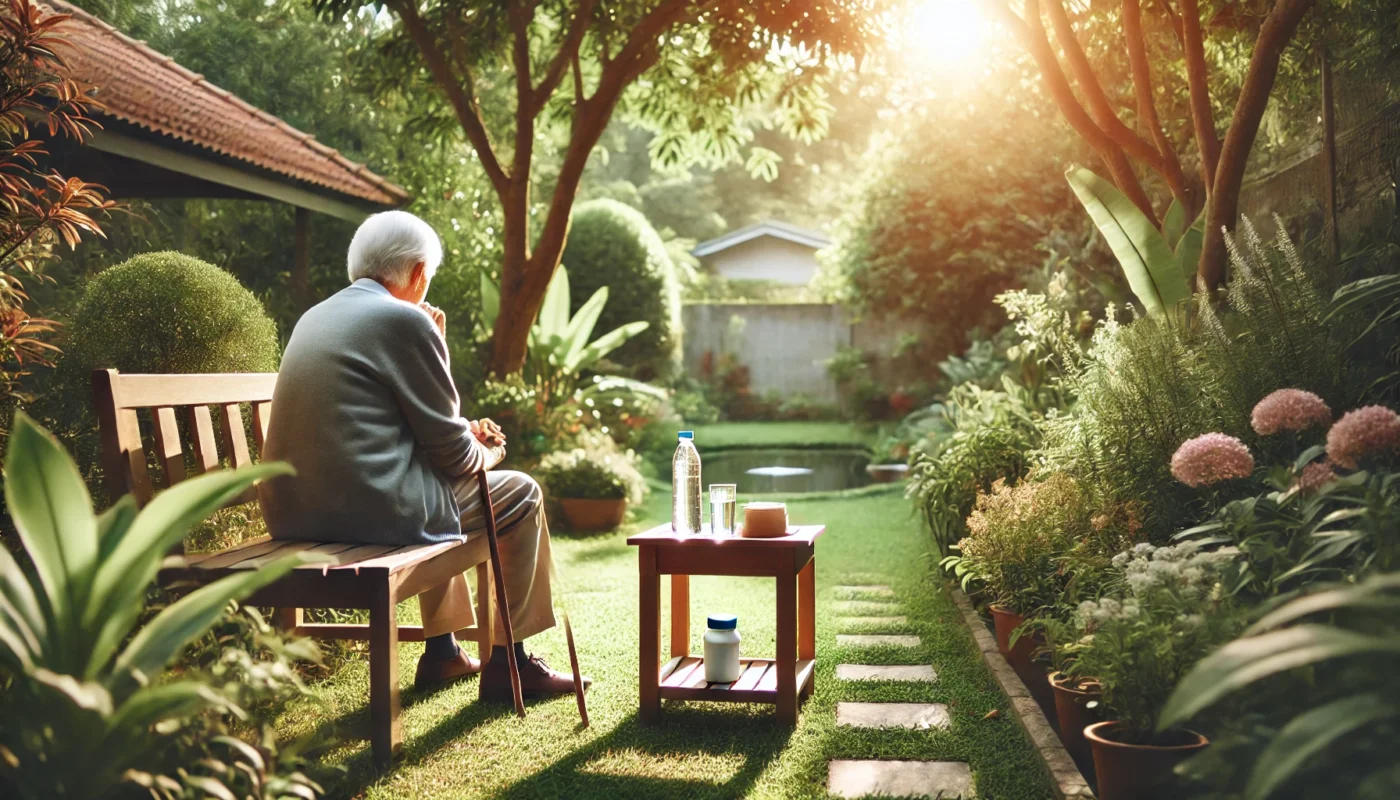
373	577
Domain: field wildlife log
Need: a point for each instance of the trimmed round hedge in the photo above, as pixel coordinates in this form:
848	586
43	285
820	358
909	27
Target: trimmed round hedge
611	244
170	313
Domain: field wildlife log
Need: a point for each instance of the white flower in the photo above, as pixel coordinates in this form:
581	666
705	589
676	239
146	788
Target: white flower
1143	548
1121	559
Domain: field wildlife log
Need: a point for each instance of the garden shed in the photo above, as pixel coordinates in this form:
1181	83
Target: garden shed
767	251
167	132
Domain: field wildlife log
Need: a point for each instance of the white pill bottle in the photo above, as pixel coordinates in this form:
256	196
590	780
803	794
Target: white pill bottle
722	648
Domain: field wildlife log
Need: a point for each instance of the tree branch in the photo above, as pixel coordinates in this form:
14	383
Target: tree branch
463	102
1147	107
1274	35
1174	20
1031	32
521	14
1207	141
566	55
1096	99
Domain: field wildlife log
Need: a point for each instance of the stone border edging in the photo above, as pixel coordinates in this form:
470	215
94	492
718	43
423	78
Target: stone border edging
1069	783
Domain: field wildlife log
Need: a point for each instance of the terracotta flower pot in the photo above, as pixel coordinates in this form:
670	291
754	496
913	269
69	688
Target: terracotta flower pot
1071	699
1138	771
593	515
1005	622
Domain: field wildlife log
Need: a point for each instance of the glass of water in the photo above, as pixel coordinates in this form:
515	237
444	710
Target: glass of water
724	498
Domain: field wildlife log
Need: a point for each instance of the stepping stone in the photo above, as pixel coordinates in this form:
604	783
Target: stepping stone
876	591
863	608
891	621
870	672
875	640
942	779
893	715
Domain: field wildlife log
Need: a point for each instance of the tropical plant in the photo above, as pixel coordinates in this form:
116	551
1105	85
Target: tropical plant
1166	613
39	209
86	694
1334	653
1158	264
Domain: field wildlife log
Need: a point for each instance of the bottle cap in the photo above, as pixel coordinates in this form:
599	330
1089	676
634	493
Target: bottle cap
687	435
722	622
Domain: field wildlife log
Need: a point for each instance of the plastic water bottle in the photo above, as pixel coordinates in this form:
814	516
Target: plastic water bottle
685	486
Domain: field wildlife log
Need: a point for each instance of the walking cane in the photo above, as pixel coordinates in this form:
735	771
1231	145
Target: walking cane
504	606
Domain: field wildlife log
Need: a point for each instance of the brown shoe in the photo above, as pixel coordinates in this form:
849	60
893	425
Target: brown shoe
536	680
434	673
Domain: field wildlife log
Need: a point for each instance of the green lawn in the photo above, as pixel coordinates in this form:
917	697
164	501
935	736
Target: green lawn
456	747
772	434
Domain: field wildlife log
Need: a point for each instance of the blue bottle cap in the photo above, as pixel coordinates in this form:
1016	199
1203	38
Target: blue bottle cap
722	622
687	435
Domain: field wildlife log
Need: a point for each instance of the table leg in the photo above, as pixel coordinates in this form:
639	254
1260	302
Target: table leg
807	611
650	617
786	662
680	615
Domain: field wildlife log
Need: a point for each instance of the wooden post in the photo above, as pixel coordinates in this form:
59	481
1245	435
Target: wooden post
649	616
785	661
680	615
1329	159
807	611
301	259
386	730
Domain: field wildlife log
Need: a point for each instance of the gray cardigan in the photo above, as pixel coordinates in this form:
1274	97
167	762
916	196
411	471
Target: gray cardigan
366	412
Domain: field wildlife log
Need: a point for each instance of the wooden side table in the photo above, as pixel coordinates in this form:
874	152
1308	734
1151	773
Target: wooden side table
783	680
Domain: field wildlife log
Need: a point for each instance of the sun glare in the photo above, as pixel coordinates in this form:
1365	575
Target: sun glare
943	33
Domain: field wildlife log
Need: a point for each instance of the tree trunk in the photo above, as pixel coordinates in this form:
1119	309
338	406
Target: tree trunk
1223	208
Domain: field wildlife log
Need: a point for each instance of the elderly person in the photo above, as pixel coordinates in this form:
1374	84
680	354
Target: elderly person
366	411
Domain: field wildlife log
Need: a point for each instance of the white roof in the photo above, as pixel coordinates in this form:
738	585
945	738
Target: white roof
781	230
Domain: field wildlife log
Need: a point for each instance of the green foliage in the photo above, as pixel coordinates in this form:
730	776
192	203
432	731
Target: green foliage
975	438
1167	614
170	313
70	647
1337	650
962	206
593	470
1157	269
1026	544
613	246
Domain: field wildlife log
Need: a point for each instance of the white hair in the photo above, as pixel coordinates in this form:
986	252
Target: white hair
388	244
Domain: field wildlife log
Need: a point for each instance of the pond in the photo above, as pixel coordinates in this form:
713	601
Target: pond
768	469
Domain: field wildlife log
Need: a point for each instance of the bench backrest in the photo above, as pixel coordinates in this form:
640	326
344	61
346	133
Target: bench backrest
117	399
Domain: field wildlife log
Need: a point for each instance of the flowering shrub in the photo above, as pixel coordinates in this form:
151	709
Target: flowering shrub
1027	544
1363	434
1210	459
1290	410
1168	612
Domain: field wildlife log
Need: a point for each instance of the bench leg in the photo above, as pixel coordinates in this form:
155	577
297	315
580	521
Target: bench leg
485	613
386	731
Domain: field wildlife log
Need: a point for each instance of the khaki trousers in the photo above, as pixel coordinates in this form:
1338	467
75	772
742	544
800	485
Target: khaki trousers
525	559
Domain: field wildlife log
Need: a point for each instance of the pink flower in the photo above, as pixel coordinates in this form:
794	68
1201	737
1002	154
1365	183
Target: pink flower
1211	458
1314	476
1364	432
1289	410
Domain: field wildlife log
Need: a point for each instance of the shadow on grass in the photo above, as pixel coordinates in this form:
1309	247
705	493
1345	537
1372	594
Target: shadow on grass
631	761
359	770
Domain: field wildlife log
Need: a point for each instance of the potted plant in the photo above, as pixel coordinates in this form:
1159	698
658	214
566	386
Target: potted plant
593	483
1078	699
1018	540
1138	644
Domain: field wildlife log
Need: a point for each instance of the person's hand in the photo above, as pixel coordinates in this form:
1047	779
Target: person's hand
488	432
437	316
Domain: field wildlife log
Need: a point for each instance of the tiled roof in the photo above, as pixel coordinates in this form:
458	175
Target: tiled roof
145	88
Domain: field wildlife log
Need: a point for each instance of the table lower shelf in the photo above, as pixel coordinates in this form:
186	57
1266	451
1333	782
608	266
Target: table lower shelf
683	678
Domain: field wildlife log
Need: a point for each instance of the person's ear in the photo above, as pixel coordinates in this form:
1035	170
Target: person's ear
419	276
